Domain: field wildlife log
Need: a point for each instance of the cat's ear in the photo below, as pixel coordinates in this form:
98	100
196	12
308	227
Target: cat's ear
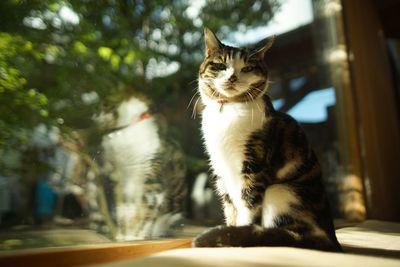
211	41
263	46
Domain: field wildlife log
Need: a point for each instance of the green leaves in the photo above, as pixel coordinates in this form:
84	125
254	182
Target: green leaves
21	106
105	52
80	48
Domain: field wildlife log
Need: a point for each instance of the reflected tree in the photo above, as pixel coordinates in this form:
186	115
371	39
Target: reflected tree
59	57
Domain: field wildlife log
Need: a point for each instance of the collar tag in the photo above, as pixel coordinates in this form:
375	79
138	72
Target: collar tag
221	102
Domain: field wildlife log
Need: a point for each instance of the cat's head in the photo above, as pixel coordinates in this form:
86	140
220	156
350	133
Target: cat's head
233	74
125	111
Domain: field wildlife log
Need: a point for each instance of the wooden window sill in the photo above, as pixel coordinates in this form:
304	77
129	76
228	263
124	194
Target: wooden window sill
88	254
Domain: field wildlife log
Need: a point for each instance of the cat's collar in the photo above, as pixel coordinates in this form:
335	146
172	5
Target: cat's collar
145	115
221	102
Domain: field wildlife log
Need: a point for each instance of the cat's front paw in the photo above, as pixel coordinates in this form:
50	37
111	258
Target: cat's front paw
214	237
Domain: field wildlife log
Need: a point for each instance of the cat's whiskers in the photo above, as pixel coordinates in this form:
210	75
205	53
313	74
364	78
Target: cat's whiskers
194	112
252	115
195	80
257	89
258	107
214	93
250	98
191	100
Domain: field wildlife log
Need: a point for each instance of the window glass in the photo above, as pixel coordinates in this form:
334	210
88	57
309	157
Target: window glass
99	133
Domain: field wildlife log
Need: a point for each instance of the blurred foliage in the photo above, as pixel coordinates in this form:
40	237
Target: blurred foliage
60	59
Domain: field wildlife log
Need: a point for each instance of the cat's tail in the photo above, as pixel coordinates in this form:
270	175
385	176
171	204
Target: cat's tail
257	236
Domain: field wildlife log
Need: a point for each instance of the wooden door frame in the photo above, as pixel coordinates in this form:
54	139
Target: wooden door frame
374	107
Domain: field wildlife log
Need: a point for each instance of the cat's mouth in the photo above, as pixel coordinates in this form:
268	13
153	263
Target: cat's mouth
230	88
231	93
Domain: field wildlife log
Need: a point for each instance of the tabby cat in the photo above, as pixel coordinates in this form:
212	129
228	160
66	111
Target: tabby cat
143	173
267	175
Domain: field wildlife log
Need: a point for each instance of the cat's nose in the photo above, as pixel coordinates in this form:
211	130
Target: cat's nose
233	78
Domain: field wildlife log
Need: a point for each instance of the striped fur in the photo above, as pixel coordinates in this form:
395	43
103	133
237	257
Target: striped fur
268	177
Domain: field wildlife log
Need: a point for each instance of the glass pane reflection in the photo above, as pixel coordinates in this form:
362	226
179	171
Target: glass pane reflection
97	142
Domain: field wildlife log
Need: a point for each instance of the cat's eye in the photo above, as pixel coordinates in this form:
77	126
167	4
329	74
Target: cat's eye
248	69
218	66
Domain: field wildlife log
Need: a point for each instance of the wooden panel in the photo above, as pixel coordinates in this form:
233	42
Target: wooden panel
85	255
388	11
375	102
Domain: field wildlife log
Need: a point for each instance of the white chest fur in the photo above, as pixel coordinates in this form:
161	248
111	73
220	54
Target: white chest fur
131	150
226	133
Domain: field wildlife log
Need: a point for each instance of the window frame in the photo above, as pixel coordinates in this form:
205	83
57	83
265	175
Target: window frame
88	254
364	134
